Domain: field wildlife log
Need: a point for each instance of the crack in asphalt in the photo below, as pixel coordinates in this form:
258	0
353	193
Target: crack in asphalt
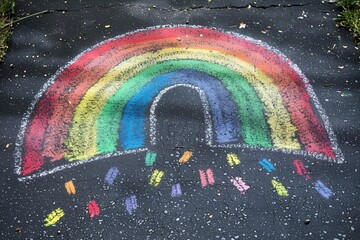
148	6
201	7
250	5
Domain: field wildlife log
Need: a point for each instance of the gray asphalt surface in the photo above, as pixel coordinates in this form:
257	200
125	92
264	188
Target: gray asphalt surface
304	31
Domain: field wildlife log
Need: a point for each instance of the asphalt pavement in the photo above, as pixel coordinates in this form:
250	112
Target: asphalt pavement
172	119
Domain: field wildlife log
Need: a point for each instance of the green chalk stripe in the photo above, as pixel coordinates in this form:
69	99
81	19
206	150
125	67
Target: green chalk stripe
150	159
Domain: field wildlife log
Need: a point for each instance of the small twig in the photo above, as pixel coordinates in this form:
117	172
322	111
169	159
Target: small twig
28	16
177	147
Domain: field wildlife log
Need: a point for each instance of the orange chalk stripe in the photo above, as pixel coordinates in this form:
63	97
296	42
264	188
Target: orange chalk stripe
185	157
70	187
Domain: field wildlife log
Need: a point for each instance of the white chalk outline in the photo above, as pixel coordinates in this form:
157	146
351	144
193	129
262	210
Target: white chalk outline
79	162
339	157
204	102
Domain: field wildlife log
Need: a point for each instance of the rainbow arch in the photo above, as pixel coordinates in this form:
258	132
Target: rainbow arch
255	98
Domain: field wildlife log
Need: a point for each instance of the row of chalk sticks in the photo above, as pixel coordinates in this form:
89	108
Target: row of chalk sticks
206	178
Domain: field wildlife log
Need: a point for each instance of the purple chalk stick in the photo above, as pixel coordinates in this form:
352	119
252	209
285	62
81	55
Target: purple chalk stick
323	190
111	175
131	204
176	190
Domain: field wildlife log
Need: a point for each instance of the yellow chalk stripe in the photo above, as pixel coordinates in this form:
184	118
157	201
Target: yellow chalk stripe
156	177
82	135
232	159
185	157
280	189
153	177
54	217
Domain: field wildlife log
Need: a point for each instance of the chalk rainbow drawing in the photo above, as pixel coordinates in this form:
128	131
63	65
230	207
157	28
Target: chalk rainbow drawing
98	105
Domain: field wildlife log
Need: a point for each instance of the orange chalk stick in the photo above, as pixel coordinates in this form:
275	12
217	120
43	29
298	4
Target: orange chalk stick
185	157
70	187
